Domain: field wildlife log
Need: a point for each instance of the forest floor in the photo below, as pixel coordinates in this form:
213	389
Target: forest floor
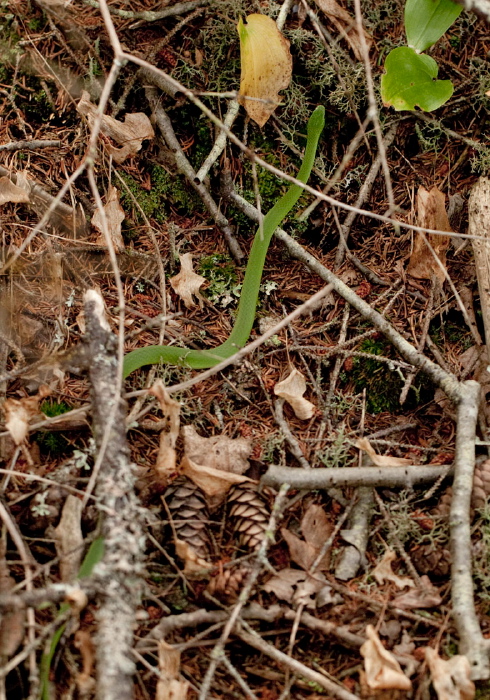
333	566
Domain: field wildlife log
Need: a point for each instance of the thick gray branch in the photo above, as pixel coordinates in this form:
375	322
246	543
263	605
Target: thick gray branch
323	478
473	644
118	574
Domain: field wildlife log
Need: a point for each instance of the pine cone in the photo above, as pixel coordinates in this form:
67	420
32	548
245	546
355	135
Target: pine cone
444	504
226	586
481	491
481	484
249	514
189	511
431	559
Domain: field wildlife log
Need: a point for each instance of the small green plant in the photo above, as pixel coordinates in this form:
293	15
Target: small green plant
410	79
53	442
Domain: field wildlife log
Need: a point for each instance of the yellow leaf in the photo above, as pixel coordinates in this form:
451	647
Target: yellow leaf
266	66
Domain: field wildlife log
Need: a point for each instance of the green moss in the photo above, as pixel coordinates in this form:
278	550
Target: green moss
167	191
54	443
383	384
450	331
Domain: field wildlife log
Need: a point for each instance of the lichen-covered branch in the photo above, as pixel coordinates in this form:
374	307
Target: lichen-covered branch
472	642
118	573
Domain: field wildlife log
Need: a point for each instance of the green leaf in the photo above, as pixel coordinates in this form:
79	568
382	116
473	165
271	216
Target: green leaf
427	20
410	81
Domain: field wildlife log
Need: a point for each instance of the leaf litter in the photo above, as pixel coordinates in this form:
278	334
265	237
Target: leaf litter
237	404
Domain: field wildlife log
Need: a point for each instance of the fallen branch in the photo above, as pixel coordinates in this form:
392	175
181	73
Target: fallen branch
118	573
323	478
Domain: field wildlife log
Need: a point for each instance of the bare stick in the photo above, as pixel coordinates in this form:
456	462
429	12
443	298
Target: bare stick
150	16
220	142
186	169
364	193
323	478
472	642
118	573
251	637
29	145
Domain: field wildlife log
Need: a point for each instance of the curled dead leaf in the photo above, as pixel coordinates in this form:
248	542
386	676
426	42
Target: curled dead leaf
296	586
215	464
426	596
345	25
187	283
452	678
431	214
383	572
383	672
266	66
114	214
165	465
19	412
316	530
219	451
12	193
214	482
84	680
130	134
382	460
291	390
68	538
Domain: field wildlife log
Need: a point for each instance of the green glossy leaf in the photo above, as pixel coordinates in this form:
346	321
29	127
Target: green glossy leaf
410	81
427	20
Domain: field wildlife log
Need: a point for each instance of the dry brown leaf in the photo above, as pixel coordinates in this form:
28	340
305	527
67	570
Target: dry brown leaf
451	678
302	553
68	538
426	596
19	412
345	24
187	283
316	530
383	572
291	390
266	66
296	587
215	464
218	451
383	672
169	686
194	565
12	622
115	216
165	465
214	482
131	133
315	526
431	213
12	193
382	460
